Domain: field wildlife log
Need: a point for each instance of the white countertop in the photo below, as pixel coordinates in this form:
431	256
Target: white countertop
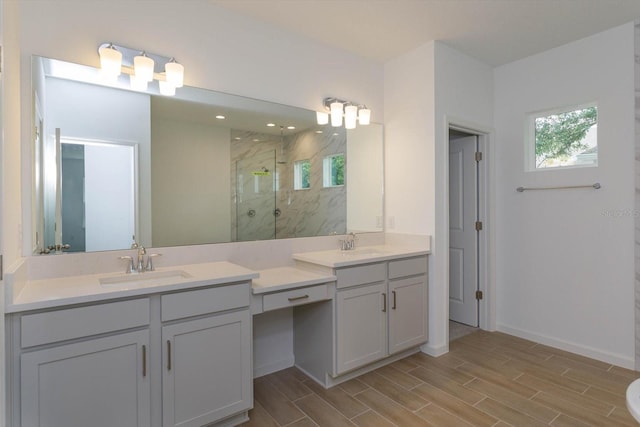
282	278
37	294
336	258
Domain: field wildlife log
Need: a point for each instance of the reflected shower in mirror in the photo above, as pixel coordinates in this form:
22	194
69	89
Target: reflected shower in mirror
112	167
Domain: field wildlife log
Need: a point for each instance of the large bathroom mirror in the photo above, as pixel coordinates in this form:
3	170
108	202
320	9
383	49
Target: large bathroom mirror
113	167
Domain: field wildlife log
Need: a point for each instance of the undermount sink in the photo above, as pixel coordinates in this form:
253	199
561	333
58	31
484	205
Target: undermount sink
363	252
146	277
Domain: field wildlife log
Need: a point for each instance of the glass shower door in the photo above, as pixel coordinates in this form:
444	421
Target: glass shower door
256	181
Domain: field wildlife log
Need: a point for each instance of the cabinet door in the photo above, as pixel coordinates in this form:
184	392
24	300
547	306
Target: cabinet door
407	313
206	369
361	326
101	382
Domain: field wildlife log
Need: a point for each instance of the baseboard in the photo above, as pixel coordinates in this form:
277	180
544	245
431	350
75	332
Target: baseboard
435	351
260	371
582	350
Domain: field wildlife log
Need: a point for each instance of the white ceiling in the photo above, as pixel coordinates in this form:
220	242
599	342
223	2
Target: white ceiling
493	31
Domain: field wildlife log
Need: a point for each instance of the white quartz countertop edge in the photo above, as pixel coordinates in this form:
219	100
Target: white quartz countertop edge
367	254
48	293
284	278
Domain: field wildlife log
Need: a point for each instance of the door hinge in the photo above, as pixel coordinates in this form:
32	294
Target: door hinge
478	225
478	156
479	295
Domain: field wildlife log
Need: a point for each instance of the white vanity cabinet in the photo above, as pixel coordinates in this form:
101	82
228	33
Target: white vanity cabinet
206	361
69	380
173	359
379	311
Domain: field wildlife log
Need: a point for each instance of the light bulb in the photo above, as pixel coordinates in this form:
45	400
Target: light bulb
110	61
143	67
322	117
350	116
166	88
364	116
175	73
336	114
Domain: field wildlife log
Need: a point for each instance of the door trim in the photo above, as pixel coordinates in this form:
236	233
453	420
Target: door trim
486	213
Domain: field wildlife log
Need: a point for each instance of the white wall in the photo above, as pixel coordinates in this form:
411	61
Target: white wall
463	97
423	89
565	272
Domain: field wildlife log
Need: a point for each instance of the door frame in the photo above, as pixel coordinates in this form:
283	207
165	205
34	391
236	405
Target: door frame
486	214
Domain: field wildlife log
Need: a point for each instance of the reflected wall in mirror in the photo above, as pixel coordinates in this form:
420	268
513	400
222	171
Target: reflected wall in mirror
113	167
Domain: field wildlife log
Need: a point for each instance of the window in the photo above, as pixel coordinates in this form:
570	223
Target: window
333	170
564	138
302	175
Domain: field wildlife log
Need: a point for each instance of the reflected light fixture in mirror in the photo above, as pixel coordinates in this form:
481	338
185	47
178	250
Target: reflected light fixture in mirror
352	112
143	67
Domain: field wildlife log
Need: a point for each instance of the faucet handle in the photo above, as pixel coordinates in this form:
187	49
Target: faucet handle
150	266
130	265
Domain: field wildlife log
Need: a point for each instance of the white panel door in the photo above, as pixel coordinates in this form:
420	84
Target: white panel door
407	313
102	382
206	369
361	326
463	246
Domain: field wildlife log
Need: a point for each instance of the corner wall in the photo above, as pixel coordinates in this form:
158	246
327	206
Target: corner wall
565	272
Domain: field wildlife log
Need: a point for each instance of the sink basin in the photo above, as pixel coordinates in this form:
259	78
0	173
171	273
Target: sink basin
363	252
142	278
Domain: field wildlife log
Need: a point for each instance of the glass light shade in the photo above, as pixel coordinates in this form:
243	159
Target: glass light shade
110	61
364	116
336	114
322	117
175	73
137	83
350	116
143	67
166	88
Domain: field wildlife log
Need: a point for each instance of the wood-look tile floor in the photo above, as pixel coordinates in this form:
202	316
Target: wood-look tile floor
487	379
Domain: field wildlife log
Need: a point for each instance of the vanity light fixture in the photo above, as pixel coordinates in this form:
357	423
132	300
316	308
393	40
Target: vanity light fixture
142	67
351	111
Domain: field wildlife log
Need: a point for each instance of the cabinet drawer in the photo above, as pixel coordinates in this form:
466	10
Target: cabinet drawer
203	301
407	267
352	276
295	297
61	325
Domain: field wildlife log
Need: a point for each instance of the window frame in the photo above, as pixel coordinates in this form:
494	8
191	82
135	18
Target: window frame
530	136
297	174
327	170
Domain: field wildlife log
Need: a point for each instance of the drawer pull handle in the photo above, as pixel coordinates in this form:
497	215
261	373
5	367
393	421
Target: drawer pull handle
144	360
384	303
292	299
168	355
394	300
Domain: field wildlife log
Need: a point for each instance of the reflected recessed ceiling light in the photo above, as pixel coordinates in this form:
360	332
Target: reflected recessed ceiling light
256	140
291	127
220	117
237	138
318	131
271	124
335	134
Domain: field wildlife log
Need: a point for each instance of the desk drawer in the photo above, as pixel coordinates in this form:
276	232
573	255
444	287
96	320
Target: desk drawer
204	301
61	325
294	297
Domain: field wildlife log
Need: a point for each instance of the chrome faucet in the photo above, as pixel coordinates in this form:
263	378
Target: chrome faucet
141	253
349	243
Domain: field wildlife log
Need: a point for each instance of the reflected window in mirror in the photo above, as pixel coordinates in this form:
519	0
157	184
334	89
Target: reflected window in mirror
333	170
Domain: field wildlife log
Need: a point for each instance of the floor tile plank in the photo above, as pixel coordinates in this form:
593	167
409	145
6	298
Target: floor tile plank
390	409
321	412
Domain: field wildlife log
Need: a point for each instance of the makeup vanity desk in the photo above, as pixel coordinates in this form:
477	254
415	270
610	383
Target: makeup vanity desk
153	345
